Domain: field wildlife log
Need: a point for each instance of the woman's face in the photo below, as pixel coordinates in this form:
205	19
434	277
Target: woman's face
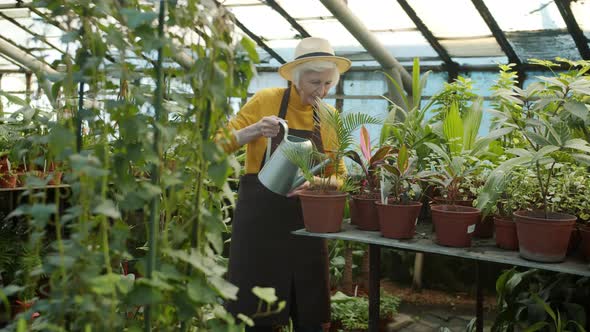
314	84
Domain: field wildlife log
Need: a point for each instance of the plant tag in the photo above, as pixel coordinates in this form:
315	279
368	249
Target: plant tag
416	223
470	229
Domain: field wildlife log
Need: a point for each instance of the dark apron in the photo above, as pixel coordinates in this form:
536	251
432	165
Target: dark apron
264	253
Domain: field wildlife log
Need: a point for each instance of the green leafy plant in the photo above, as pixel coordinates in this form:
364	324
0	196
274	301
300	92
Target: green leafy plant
403	179
353	311
369	163
534	300
537	116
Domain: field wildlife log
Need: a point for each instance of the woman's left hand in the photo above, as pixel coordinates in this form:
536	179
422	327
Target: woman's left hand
298	190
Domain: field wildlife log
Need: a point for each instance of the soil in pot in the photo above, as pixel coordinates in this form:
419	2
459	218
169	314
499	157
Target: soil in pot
541	238
398	221
364	212
505	233
454	224
323	211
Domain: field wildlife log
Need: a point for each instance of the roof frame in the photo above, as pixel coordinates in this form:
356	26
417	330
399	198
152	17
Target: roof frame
496	31
452	66
573	27
29	31
274	5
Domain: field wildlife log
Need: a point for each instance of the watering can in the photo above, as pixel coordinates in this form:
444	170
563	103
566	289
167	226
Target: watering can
279	174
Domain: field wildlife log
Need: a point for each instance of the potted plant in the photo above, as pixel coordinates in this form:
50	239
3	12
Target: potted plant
398	210
537	116
323	202
363	213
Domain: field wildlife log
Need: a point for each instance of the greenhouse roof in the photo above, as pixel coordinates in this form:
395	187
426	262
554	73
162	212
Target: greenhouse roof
446	34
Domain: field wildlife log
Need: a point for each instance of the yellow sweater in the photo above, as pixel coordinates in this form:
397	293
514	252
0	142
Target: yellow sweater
267	102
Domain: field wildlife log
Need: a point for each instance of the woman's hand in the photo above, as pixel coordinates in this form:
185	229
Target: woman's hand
269	126
295	192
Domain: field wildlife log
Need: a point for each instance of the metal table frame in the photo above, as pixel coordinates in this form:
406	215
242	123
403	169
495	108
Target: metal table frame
481	250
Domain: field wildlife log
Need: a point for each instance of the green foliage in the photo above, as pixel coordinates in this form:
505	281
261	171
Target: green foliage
533	300
406	124
110	201
353	311
540	118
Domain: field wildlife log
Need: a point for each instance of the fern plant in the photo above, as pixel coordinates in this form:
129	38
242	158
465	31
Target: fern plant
342	126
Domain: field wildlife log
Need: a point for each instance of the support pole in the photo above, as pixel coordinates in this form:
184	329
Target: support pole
357	28
374	286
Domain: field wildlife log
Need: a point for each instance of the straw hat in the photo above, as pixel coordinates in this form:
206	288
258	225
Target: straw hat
313	48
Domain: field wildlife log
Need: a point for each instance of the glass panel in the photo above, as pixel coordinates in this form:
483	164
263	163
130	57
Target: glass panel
451	18
381	14
435	82
546	44
264	21
364	83
481	61
581	10
304	8
525	14
266	80
472	47
406	45
332	30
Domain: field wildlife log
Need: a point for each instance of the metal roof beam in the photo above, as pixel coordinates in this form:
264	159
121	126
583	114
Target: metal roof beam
274	5
15	5
356	27
36	35
440	50
496	31
573	28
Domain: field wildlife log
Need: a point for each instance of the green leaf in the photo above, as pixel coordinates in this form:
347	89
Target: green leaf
13	99
250	48
439	151
247	320
472	123
453	129
223	287
107	208
135	18
577	109
267	294
400	90
416	93
582	158
547	308
536	327
577	144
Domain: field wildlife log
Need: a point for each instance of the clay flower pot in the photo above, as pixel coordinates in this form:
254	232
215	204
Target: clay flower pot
454	224
323	211
585	242
543	239
363	213
506	237
398	221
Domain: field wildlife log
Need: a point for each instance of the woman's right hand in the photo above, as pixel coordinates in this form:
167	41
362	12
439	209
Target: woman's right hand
269	126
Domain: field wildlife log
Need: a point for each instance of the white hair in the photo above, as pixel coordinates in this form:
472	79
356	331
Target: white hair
317	66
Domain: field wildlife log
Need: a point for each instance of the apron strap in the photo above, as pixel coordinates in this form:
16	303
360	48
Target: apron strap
282	114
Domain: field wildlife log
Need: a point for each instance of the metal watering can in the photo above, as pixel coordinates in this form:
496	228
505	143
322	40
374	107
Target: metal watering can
279	174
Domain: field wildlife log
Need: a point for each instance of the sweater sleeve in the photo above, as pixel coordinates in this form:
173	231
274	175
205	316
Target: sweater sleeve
248	115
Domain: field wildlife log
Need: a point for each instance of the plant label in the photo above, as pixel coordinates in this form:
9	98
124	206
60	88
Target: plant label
470	229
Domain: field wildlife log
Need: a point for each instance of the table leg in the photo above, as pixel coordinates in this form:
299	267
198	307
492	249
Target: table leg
374	286
479	298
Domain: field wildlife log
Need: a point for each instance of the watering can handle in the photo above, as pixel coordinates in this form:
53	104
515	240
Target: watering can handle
269	140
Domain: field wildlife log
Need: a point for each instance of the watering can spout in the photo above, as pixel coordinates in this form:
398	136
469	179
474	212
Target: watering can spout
315	170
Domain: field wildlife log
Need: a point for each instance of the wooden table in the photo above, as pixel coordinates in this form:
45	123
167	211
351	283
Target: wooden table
482	250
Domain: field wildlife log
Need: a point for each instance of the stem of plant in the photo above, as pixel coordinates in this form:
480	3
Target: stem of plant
543	192
155	211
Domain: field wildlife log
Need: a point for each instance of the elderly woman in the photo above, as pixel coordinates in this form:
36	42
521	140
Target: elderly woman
263	251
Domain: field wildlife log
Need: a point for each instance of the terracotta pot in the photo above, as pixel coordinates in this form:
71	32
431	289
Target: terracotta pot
353	210
364	214
398	221
8	180
454	224
585	243
444	201
543	239
484	229
323	211
505	233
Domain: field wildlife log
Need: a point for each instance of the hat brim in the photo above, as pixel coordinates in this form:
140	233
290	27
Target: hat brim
342	64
